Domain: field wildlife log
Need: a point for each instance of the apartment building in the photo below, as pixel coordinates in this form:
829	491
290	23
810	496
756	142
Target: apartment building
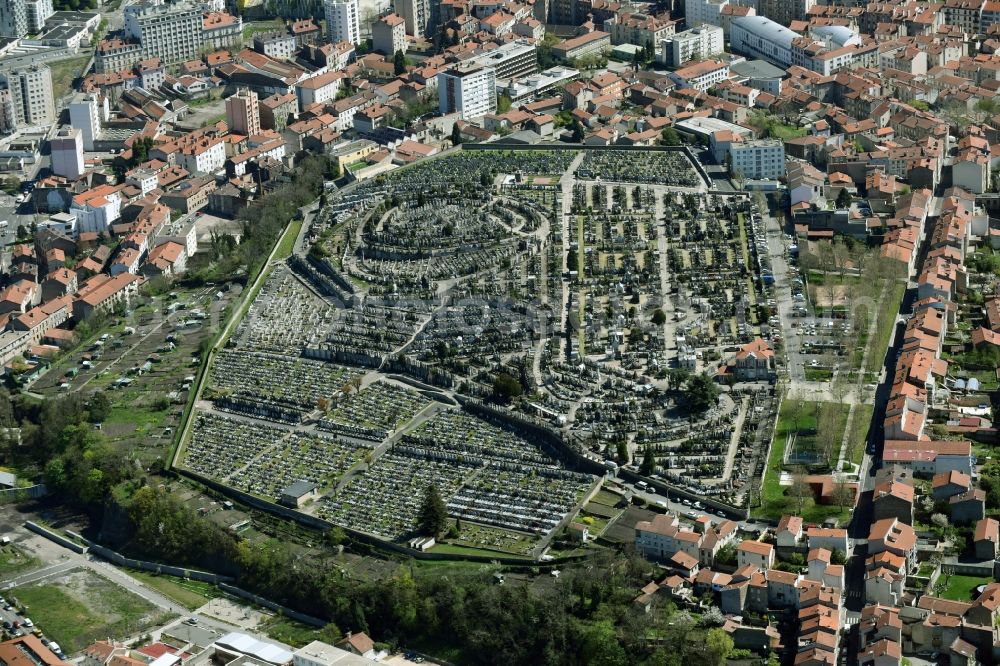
31	94
700	75
13	19
694	44
318	89
510	60
221	30
389	34
416	16
85	113
8	117
703	12
172	33
275	45
763	158
342	21
38	12
243	112
785	11
639	29
67	153
114	55
467	90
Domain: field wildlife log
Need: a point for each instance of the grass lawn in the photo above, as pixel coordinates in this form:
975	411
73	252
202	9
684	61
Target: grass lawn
960	588
191	594
859	431
885	325
83	607
258	27
818	374
785	132
775	502
64	72
295	633
13	560
287	242
455	549
606	498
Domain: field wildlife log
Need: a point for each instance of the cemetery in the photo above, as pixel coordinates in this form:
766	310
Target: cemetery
585	291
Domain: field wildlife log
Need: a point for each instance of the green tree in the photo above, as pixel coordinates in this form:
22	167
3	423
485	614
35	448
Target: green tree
577	131
648	465
506	388
843	199
599	642
718	645
659	317
621	448
456	134
503	104
398	63
99	406
433	513
702	393
670	137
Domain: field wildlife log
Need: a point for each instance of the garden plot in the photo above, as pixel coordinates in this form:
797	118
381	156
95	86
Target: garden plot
655	167
374	413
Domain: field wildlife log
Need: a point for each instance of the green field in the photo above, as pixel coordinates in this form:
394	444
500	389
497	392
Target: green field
82	607
800	416
13	560
64	72
885	324
287	242
960	588
191	594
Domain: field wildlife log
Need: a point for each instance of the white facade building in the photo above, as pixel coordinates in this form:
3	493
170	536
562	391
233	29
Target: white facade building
31	94
470	92
416	16
13	19
206	156
694	44
763	158
343	23
760	37
700	12
38	11
85	115
172	33
67	153
700	75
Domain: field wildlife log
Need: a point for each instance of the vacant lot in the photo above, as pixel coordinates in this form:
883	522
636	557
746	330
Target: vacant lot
81	607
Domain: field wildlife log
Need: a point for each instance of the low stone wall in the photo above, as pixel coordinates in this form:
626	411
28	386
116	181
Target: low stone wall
55	536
